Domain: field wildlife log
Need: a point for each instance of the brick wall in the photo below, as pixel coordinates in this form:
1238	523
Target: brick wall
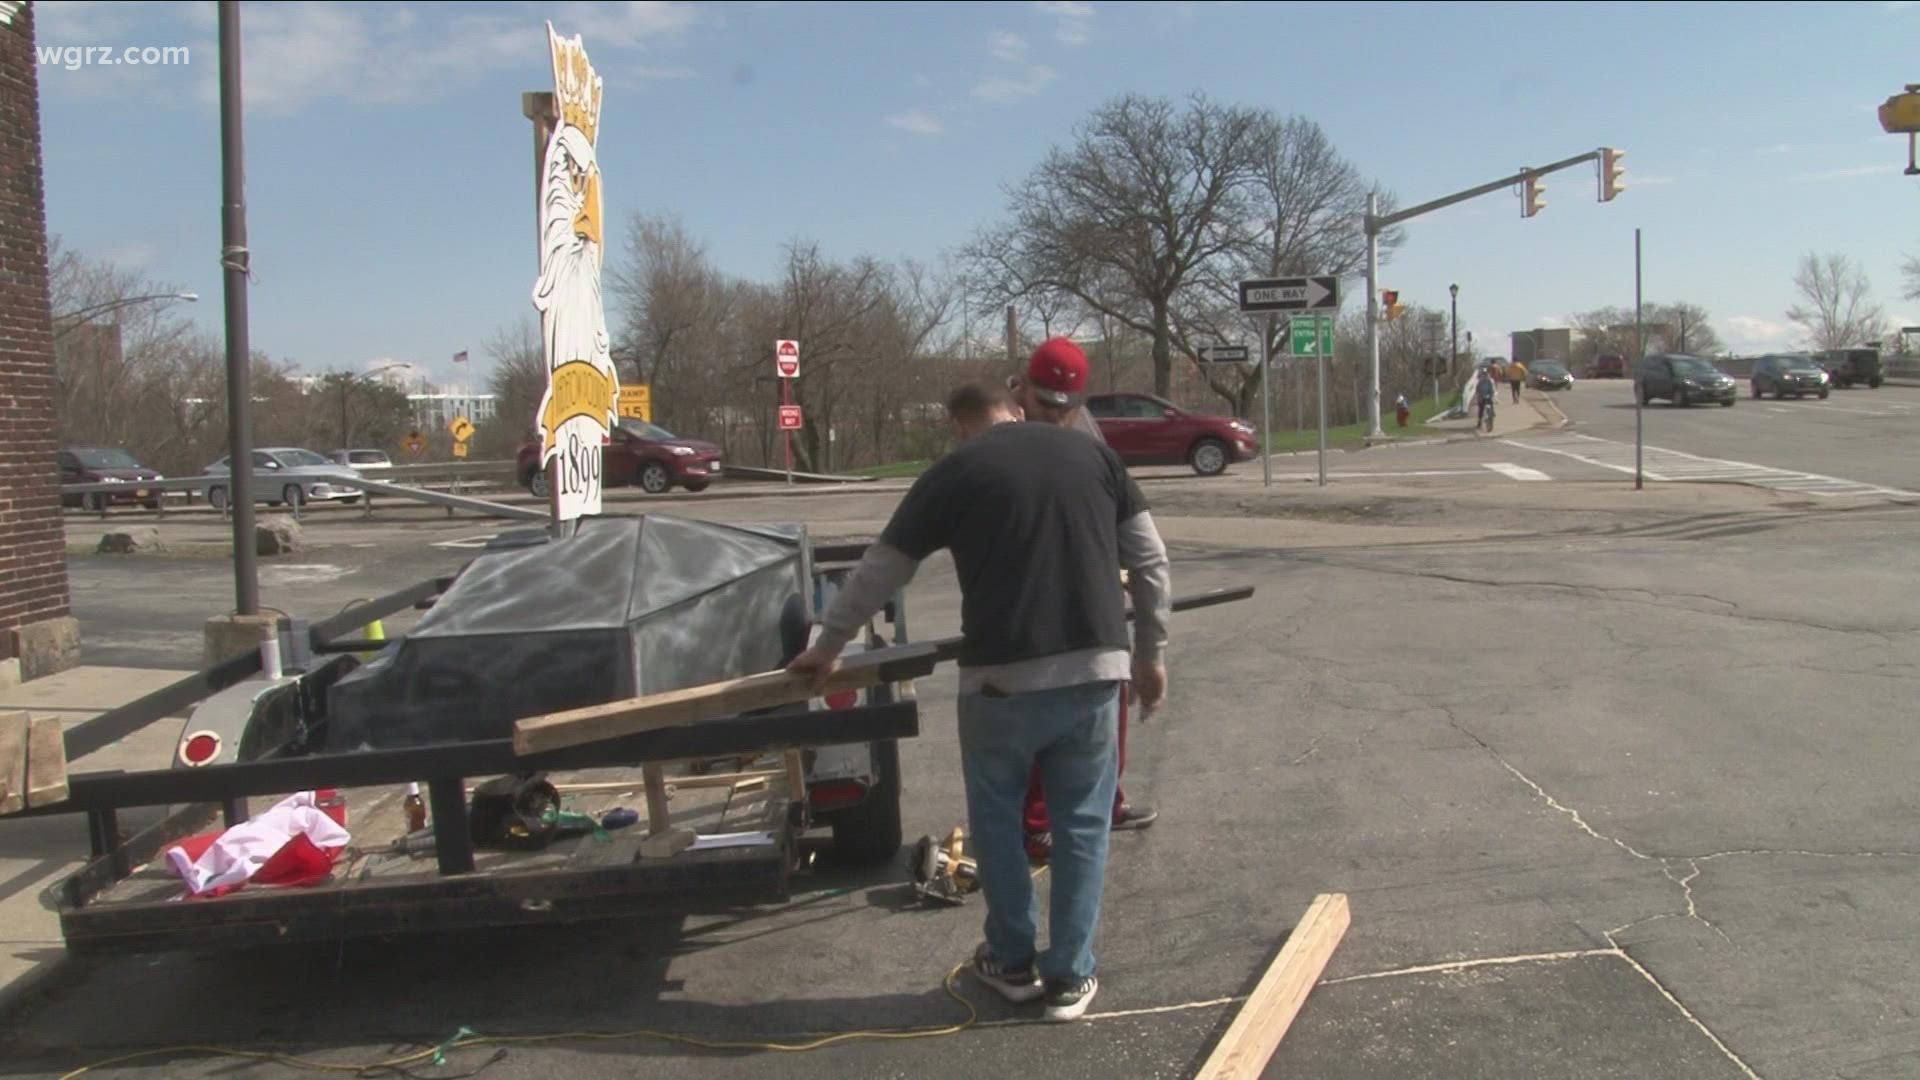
33	556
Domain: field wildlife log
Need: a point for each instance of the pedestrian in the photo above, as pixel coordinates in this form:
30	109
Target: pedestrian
1484	387
1402	410
1516	377
1035	518
1041	399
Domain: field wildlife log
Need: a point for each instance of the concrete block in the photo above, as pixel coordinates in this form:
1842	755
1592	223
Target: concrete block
47	647
9	673
276	535
132	541
228	636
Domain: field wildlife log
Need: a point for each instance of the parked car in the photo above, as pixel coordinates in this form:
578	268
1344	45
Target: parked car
107	465
289	475
1607	366
1146	430
363	460
1684	380
638	453
1788	373
1550	375
1848	366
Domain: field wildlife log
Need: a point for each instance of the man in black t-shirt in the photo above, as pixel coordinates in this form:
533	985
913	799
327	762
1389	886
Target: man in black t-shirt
1036	517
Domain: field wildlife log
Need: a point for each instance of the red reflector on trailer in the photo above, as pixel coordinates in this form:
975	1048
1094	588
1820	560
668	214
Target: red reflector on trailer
845	699
200	748
830	793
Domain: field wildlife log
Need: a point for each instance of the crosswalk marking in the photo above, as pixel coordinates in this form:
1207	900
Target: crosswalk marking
1516	472
1678	466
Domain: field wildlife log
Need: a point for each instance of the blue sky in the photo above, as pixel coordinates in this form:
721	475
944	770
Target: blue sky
390	171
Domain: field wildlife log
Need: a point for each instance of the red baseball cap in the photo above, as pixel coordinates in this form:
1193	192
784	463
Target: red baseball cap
1058	368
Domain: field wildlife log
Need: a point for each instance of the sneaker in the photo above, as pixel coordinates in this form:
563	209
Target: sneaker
1017	984
1130	816
1039	846
1067	999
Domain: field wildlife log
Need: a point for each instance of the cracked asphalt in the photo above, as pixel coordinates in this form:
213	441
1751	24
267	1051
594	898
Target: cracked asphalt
1616	789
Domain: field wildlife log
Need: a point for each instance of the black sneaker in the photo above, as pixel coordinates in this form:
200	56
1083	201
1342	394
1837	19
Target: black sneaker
1017	984
1067	999
1131	816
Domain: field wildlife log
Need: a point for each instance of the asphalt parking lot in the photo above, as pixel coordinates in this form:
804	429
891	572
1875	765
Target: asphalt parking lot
1607	803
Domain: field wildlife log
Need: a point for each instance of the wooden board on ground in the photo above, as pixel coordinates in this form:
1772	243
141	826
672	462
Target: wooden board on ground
676	708
1243	1052
46	762
13	761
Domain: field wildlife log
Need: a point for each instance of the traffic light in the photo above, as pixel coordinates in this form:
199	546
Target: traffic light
1532	196
1611	173
1390	300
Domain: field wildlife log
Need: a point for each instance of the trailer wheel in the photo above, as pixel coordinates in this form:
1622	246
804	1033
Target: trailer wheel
869	834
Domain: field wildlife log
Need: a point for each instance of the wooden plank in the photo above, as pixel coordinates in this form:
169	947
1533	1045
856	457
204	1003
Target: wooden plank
659	818
796	776
46	762
1243	1052
13	761
678	708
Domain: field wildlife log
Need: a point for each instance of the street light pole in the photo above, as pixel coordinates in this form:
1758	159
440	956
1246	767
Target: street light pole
1453	354
235	260
77	319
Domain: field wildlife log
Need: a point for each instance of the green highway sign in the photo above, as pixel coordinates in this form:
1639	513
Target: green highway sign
1300	339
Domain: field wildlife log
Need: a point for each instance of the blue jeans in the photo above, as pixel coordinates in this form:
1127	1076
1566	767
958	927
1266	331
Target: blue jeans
1073	733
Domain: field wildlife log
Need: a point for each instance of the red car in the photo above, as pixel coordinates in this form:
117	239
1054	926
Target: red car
107	465
1146	430
641	454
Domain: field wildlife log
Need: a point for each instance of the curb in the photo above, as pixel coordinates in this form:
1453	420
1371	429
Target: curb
35	983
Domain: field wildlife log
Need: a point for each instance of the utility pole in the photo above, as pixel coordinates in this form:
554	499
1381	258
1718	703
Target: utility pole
1453	353
235	261
1640	355
1375	223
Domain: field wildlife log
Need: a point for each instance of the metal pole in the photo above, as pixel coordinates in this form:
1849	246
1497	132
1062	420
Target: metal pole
1453	352
1640	353
235	259
1266	400
1320	362
345	442
1373	322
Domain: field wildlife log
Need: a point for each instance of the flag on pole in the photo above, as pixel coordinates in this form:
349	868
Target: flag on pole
460	357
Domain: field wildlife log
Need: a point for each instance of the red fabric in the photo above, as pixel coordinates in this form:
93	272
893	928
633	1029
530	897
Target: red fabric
298	862
1034	810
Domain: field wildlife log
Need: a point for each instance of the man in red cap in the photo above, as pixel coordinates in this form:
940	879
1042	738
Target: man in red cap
1056	373
1035	518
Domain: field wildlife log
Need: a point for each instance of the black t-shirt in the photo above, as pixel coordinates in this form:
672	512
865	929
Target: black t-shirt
1031	513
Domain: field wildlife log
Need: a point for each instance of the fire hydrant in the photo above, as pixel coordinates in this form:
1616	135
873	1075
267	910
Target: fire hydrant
1401	410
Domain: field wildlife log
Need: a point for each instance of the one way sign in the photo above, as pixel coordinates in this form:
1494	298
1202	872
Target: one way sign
1319	293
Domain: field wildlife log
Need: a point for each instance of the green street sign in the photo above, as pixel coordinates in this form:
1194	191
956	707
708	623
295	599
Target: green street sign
1301	337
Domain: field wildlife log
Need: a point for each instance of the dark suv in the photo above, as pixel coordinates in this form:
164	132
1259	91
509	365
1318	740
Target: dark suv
1788	373
1684	380
1849	366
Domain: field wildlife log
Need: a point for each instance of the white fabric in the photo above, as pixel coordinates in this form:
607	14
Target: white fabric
244	848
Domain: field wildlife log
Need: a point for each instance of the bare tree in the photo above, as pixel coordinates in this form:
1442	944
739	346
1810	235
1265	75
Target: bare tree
1686	326
1304	216
1124	218
517	381
1836	307
1910	272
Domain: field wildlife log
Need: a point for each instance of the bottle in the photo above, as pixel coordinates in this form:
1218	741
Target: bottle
416	808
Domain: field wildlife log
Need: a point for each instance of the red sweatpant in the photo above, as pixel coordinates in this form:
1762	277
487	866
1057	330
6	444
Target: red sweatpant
1035	810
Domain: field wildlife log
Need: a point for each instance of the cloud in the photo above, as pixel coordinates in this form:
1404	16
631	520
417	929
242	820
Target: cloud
1007	47
1074	21
923	79
1002	89
1750	333
916	121
133	256
1780	148
1901	5
1648	181
626	25
1849	173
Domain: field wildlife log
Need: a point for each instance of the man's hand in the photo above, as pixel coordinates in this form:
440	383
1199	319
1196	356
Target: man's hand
1149	684
818	663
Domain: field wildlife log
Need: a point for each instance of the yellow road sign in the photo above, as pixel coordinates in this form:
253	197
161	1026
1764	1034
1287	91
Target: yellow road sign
636	402
415	443
461	429
459	449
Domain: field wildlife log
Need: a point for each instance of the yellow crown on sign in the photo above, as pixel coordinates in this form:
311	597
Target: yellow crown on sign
576	88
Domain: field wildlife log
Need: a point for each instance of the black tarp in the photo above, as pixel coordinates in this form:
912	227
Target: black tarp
622	607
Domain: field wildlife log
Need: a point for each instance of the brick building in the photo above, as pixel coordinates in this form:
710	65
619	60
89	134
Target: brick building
37	634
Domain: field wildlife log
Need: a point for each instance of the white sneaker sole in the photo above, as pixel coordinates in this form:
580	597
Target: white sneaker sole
1062	1014
1018	993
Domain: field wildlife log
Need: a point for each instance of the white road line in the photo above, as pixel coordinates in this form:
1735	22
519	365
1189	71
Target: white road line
1678	466
467	541
1515	472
